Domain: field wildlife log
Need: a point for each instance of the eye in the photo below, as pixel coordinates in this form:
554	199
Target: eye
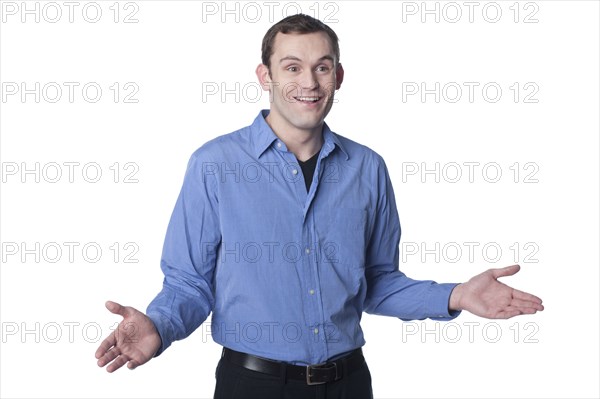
322	68
292	69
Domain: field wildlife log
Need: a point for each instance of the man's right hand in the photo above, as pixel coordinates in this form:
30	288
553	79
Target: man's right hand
135	341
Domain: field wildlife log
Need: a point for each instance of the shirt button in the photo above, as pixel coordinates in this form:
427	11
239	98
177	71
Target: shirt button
295	171
316	330
279	144
312	292
307	250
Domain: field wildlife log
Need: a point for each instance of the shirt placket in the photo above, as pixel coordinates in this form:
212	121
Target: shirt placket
316	327
309	259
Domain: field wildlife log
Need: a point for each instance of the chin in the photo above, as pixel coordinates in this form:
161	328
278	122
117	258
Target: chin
310	123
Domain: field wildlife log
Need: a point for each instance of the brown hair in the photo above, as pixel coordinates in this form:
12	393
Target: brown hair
299	23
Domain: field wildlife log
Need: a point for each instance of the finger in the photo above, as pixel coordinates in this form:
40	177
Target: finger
522	308
116	308
538	307
526	296
519	303
511	311
508	313
528	310
108	343
505	271
118	363
109	357
525	303
132	364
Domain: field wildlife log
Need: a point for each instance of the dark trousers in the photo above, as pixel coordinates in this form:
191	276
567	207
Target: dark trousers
236	382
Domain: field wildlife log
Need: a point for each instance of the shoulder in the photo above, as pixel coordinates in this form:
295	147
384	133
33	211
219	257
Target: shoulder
222	146
360	153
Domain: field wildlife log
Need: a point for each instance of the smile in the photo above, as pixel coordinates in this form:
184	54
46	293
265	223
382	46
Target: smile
307	99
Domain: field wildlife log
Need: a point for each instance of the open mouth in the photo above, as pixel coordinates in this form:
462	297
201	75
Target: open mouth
307	99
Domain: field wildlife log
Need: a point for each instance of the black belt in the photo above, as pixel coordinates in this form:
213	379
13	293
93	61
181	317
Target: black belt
313	374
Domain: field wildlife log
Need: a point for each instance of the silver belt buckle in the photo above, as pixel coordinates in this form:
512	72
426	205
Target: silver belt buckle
308	374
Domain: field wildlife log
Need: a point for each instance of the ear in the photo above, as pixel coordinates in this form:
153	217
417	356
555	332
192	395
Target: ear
262	73
339	76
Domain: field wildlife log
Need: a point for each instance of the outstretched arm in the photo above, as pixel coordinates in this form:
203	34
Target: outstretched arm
485	296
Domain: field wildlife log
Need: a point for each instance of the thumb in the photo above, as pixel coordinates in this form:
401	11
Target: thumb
506	271
116	308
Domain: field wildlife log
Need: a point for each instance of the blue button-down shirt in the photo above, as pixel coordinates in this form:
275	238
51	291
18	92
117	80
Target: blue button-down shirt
286	273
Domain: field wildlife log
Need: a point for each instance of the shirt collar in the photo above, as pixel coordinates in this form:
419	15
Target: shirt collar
263	136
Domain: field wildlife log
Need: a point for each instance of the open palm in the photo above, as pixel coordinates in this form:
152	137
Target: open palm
485	296
135	341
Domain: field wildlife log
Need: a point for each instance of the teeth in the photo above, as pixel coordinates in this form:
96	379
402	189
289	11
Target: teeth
307	98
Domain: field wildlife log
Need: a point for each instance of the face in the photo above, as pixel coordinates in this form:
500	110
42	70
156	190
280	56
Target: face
302	81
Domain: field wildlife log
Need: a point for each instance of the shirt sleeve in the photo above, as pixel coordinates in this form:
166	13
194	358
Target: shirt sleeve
389	291
188	257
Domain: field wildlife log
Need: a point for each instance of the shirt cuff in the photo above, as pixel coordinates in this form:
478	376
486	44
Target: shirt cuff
163	326
439	302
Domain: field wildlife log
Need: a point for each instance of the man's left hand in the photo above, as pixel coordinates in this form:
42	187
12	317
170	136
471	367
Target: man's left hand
483	295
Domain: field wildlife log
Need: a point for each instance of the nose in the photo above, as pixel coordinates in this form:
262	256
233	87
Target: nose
308	80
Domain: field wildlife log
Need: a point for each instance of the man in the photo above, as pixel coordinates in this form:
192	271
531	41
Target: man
287	232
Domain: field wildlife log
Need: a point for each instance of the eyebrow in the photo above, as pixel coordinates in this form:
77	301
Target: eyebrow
294	58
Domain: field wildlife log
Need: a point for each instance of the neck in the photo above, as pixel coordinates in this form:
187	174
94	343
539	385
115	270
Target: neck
303	143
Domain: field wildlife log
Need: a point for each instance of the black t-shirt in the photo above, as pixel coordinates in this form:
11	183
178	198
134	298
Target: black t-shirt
308	169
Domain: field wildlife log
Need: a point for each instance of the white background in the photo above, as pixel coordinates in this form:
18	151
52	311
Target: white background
175	51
